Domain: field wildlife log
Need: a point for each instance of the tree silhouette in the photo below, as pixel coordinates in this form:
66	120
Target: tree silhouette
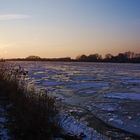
120	58
33	57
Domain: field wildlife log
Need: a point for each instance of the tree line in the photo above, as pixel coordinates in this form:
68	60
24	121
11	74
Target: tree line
126	57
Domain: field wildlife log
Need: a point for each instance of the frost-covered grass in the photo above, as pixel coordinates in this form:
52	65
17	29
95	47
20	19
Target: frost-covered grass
32	116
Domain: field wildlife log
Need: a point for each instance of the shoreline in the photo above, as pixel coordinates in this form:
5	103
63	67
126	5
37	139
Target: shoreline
68	121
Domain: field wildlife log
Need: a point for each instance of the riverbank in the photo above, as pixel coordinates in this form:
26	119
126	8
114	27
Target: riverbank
24	117
26	114
28	117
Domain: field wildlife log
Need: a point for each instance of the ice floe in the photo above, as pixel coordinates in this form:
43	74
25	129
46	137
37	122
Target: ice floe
125	96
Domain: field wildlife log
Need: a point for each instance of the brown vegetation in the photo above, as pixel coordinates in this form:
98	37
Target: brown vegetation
31	115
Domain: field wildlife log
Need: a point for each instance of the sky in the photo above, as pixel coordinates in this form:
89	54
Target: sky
68	28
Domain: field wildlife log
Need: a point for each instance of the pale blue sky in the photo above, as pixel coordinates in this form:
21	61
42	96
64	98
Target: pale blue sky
58	28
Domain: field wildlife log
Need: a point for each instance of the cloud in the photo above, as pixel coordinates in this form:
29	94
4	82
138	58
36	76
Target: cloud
4	17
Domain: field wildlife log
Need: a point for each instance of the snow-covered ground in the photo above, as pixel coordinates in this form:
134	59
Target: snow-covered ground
110	92
3	120
124	96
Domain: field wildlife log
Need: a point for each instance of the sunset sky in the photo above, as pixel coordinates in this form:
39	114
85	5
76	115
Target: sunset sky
59	28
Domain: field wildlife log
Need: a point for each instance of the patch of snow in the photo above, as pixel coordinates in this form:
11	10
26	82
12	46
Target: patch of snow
106	106
125	96
84	85
137	81
86	93
74	127
51	83
118	121
3	130
83	78
2	120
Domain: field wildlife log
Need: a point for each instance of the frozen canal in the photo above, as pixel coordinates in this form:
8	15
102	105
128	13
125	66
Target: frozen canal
110	92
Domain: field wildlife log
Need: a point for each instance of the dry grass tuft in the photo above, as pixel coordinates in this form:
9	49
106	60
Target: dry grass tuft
32	115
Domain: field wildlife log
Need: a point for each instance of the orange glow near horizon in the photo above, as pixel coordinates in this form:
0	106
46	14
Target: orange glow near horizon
53	29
